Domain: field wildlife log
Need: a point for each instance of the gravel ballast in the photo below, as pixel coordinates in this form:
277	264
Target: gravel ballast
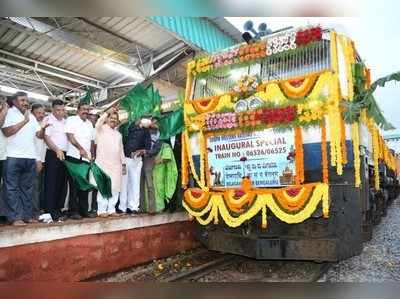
380	258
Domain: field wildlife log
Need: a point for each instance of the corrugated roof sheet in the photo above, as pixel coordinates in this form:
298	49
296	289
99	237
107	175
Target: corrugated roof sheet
197	31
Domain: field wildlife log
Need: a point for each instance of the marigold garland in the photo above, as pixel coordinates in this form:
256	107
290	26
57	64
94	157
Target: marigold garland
375	141
205	105
298	88
200	182
324	155
356	153
184	164
349	61
203	155
334	116
216	206
299	159
238	204
199	201
334	57
335	119
343	140
293	203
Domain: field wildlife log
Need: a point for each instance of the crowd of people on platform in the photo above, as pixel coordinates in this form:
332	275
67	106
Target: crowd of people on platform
34	148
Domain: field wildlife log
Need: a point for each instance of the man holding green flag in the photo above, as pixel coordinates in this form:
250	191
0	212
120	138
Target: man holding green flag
80	134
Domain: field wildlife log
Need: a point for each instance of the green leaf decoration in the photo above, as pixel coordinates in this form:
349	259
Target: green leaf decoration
365	99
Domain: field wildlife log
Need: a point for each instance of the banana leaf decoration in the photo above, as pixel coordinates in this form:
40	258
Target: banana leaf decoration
364	98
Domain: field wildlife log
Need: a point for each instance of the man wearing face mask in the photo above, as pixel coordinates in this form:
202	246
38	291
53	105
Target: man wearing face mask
137	141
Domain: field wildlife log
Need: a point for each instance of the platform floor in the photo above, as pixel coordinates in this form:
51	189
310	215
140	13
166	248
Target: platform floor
41	232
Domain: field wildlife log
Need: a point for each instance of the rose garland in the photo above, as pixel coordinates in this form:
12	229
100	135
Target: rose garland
307	36
356	153
324	154
216	206
299	158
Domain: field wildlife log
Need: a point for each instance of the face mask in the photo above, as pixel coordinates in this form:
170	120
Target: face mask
145	122
155	135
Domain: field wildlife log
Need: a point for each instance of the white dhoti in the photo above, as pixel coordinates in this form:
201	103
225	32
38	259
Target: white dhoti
107	206
130	189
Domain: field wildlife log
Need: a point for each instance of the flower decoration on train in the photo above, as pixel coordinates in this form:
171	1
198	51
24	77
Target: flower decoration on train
216	121
225	58
281	42
246	85
252	51
277	43
304	37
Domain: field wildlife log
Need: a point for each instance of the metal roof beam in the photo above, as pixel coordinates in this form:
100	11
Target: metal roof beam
69	38
34	80
176	48
51	66
49	72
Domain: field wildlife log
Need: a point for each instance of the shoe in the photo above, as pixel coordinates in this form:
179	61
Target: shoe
119	211
61	219
30	221
75	217
134	212
89	215
18	223
129	211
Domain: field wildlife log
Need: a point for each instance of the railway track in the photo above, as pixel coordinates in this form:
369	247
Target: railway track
206	266
220	265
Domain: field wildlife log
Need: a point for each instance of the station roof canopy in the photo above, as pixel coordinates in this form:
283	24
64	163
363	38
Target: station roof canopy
62	56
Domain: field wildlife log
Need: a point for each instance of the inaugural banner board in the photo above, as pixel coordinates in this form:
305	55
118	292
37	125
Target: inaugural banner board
266	156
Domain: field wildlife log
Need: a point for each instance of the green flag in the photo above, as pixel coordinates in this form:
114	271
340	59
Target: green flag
171	124
140	102
79	172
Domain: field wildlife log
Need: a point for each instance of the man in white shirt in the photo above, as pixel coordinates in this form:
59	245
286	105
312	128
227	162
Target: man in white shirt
3	152
55	172
80	134
21	129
